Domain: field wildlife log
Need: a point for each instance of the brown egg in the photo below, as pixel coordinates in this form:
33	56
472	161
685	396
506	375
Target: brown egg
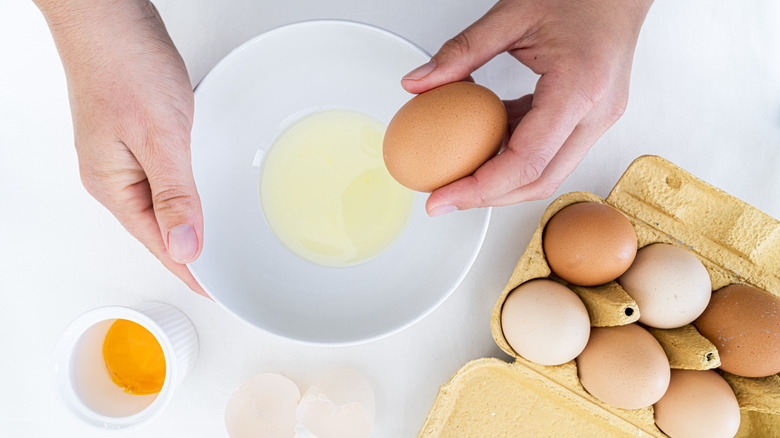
697	404
744	324
624	366
443	135
589	243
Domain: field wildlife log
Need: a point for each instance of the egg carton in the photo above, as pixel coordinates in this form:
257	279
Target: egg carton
736	243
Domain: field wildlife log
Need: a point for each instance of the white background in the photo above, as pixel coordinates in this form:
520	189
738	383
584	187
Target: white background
705	94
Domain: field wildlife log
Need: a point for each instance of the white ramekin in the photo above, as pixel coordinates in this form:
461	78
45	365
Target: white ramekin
82	381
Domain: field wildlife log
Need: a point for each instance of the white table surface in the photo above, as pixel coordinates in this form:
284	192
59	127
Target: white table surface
705	94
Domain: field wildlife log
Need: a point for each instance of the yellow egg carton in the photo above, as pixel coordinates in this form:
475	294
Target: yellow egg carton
490	398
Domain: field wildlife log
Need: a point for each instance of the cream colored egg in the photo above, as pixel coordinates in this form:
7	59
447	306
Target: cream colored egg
545	322
670	285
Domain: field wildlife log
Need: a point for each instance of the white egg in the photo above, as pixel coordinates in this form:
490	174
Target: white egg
545	322
670	285
263	407
339	405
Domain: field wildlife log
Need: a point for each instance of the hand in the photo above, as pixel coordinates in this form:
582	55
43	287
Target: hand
583	50
132	106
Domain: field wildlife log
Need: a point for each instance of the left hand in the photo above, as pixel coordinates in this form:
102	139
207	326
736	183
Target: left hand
132	107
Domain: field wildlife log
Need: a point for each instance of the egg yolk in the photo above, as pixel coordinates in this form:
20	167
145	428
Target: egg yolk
134	359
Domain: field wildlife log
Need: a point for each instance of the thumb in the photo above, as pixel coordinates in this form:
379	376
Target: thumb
494	33
175	199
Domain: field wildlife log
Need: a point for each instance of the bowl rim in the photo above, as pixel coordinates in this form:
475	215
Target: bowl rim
466	268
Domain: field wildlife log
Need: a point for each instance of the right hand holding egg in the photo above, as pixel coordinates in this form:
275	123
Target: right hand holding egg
583	51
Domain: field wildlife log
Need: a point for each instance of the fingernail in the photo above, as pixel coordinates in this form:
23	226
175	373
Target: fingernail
421	71
442	209
182	243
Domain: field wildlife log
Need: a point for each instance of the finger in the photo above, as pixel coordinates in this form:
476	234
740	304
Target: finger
166	161
558	106
124	191
139	219
569	156
561	166
517	109
492	34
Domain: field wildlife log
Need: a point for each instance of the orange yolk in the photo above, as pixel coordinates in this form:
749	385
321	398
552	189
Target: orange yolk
134	358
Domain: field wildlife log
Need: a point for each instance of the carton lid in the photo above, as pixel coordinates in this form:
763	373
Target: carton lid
736	242
491	398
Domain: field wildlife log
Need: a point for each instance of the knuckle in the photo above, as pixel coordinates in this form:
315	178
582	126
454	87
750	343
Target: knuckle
617	109
159	138
457	46
173	201
531	171
480	196
91	180
590	96
589	87
534	166
88	181
547	190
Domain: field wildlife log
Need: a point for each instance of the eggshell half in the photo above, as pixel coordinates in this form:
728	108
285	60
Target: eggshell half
341	404
263	407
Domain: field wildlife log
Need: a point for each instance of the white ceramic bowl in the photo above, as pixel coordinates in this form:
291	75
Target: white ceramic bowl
82	381
241	106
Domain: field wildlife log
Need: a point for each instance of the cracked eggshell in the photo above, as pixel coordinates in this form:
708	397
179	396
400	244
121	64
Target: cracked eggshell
263	407
339	405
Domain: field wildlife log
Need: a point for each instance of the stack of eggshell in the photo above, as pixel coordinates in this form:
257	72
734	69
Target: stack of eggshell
627	311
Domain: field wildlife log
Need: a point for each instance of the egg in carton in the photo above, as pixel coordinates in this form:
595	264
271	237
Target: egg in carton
736	243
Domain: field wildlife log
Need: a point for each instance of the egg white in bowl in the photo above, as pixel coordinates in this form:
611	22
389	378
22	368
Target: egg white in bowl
241	107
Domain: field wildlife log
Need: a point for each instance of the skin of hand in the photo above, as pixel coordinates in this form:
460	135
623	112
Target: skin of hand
582	50
132	107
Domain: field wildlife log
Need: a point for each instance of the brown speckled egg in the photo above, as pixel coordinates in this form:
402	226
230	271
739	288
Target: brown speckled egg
624	366
588	243
744	324
697	404
443	135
